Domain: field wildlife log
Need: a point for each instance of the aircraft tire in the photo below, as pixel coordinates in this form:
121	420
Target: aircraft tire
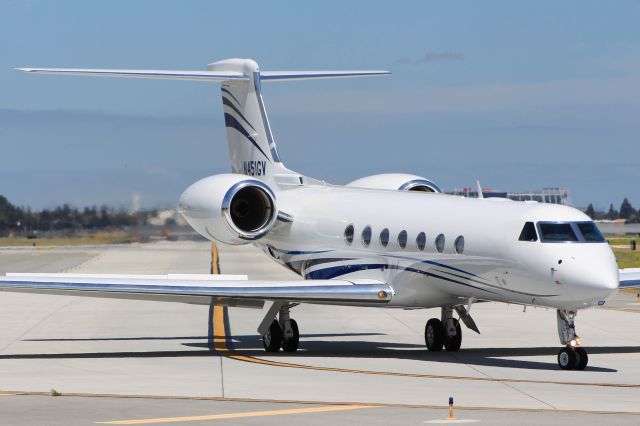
582	359
567	358
291	344
272	339
452	344
434	335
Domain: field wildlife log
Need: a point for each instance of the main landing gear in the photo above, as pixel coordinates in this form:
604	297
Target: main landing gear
572	356
445	332
282	332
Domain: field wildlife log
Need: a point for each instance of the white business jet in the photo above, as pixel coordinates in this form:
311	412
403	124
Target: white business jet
388	240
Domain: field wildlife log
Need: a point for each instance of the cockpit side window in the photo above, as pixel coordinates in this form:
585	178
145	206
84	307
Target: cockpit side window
590	232
556	232
528	232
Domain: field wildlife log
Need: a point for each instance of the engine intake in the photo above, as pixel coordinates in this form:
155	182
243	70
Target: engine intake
230	208
249	208
396	181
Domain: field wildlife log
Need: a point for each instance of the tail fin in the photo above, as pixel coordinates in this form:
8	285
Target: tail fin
252	148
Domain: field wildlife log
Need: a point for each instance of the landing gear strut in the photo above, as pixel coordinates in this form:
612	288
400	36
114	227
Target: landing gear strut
572	356
445	332
282	332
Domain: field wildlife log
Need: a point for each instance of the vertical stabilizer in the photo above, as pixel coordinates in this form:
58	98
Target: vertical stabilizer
252	148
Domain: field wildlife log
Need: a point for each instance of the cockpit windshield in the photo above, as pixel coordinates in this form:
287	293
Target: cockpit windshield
577	232
590	232
556	232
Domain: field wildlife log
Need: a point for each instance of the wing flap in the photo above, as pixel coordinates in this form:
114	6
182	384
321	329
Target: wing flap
198	289
630	278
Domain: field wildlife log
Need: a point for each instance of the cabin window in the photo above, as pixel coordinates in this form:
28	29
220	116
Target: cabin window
440	243
402	239
348	234
366	236
421	241
384	237
528	232
590	232
556	232
459	244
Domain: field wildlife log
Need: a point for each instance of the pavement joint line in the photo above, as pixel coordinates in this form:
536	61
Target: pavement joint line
220	344
93	258
46	318
509	385
306	410
337	403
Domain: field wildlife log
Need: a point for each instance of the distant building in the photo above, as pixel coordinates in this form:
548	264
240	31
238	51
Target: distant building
547	195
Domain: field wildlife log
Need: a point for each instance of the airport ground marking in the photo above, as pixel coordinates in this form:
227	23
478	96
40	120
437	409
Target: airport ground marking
215	259
220	341
220	316
305	410
315	403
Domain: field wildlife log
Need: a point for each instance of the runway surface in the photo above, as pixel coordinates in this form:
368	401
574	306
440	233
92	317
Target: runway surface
355	364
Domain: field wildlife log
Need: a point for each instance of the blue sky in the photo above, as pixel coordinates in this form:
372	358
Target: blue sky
519	95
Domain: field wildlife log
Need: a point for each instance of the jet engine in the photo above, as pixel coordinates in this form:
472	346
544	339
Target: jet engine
397	181
231	208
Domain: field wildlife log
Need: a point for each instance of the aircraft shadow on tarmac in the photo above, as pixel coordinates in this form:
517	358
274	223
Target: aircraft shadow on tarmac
251	345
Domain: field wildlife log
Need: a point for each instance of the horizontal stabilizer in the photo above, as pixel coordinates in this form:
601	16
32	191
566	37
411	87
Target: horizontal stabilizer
630	278
157	74
212	75
309	75
197	289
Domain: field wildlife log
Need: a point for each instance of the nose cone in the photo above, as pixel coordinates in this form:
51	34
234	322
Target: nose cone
595	275
603	278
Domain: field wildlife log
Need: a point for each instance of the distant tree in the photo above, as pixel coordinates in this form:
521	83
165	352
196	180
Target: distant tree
9	214
612	213
66	217
590	211
626	210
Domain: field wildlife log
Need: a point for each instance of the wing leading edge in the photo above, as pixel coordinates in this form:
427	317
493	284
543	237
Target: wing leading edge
198	289
630	278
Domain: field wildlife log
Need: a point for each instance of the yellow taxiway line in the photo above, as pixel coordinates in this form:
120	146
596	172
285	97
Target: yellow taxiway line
305	410
220	344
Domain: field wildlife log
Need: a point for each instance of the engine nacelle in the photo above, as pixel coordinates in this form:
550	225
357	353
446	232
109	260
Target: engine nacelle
397	181
231	208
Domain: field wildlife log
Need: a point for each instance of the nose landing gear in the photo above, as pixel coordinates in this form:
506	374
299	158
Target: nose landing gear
572	356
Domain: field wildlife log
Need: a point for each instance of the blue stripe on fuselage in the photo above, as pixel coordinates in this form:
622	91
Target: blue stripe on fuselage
336	271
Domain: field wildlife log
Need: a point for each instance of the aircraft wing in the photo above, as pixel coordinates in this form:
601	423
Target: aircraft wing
198	289
630	278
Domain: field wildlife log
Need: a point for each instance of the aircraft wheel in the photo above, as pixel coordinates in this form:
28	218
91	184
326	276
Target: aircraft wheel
582	359
434	335
291	344
567	358
452	344
272	339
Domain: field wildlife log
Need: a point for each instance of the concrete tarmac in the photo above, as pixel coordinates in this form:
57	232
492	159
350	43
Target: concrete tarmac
348	357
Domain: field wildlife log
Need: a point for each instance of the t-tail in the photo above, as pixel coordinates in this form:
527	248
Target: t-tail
252	147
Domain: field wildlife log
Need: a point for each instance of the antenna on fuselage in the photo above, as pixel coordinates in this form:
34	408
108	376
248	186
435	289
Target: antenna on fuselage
479	188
